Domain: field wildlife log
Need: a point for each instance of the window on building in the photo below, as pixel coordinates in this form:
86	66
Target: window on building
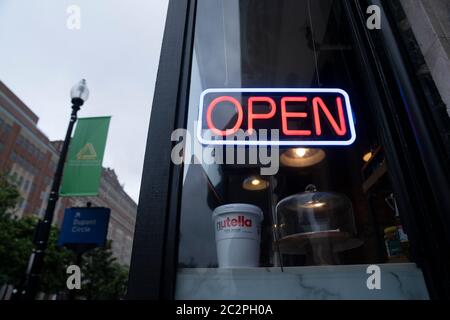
117	241
14	177
7	129
52	166
4	127
47	180
20	141
19	182
327	205
40	210
26	185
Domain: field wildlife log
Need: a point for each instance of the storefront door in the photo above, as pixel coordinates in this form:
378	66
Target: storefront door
290	171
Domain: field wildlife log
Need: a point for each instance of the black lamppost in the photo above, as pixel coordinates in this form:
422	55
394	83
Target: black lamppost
79	94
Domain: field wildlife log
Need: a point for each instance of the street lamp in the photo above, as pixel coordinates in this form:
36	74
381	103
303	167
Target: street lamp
79	94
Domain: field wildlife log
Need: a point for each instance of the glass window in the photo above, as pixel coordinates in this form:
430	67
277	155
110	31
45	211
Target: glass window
19	182
14	177
47	180
7	129
326	212
26	185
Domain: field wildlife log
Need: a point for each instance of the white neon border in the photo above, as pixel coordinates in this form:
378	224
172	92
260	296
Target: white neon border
277	143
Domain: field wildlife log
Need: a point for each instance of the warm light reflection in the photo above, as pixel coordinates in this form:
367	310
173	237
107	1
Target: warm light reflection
255	183
314	204
302	157
367	156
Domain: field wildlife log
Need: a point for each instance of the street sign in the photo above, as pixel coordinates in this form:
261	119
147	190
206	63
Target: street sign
87	226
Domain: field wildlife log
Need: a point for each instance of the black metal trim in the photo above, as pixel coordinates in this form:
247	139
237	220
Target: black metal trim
429	141
391	132
173	219
428	170
153	220
416	144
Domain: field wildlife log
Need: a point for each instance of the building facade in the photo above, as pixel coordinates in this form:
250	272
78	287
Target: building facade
429	23
26	154
30	158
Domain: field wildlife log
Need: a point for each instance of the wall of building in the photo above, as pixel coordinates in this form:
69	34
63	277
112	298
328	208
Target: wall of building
430	23
26	154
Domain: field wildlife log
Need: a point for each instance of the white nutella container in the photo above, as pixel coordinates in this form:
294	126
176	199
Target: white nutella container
238	235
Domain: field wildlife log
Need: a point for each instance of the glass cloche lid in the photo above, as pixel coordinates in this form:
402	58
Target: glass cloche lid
313	218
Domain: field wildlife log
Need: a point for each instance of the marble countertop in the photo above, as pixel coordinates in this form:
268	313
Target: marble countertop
398	282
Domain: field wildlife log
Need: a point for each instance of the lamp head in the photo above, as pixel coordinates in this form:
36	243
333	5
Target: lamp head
79	93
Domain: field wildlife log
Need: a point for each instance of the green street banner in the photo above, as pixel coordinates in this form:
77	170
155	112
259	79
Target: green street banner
83	166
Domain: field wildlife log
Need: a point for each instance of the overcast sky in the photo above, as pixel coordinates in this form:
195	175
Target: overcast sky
117	50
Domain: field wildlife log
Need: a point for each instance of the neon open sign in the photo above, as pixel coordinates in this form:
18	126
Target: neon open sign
301	117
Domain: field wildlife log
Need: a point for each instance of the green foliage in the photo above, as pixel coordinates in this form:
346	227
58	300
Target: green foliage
16	245
103	278
15	249
9	195
56	261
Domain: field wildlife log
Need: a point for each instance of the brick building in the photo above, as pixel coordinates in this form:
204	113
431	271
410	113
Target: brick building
26	154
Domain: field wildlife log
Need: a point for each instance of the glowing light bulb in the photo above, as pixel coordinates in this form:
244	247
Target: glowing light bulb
367	156
256	182
300	152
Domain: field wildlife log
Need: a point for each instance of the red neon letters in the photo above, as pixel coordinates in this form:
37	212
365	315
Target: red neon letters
319	108
285	115
252	116
211	107
340	130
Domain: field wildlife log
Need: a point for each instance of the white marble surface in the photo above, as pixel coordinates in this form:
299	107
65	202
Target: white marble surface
398	281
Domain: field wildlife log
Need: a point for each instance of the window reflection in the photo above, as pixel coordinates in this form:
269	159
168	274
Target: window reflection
325	206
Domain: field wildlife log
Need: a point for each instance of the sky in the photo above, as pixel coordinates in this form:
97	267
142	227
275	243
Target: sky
116	50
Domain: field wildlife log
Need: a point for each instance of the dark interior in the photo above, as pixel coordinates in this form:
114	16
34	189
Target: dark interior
299	45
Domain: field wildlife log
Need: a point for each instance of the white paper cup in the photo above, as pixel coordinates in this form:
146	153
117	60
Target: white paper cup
238	235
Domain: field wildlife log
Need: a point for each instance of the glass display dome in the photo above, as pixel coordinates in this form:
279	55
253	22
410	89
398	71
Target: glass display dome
315	222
